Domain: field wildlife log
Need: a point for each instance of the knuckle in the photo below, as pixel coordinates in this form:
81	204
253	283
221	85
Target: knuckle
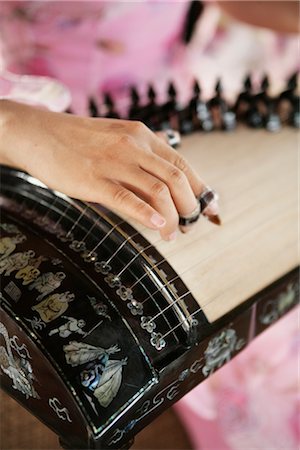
138	127
159	190
181	163
122	196
177	176
126	140
141	208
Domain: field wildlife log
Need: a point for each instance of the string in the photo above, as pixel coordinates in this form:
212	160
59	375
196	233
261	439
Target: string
50	208
122	245
189	291
77	221
169	306
180	323
102	240
90	229
145	274
63	215
161	312
133	259
105	237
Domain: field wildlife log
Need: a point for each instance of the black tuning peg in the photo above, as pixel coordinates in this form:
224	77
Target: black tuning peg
293	82
247	83
198	111
134	95
265	83
134	108
151	110
172	93
93	108
196	89
218	88
110	105
151	94
223	116
244	99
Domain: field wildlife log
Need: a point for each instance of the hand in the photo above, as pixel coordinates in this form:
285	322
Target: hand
118	163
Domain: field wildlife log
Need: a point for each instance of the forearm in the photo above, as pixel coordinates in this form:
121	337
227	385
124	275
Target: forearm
282	16
4	126
10	139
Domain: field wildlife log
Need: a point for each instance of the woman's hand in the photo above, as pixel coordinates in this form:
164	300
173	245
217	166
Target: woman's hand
118	163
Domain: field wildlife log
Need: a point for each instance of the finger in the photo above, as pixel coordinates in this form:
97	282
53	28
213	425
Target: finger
176	181
181	192
211	211
117	197
156	193
172	156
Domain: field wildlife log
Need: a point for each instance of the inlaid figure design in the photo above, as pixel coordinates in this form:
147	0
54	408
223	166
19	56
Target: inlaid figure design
15	261
31	271
71	326
101	378
47	283
53	306
8	244
16	366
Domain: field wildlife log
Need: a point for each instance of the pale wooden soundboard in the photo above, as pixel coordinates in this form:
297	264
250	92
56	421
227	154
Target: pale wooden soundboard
256	175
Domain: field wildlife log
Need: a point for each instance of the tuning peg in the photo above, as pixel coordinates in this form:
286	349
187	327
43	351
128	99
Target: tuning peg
172	93
295	115
110	105
108	101
244	99
293	82
93	109
247	83
196	89
134	95
265	84
151	94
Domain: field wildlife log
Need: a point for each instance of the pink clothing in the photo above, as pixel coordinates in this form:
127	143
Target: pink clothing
252	403
93	46
98	46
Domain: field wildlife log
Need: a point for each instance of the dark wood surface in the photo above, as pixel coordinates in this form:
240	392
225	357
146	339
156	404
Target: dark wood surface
19	430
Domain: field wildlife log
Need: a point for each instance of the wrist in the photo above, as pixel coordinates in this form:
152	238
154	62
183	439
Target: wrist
9	133
6	117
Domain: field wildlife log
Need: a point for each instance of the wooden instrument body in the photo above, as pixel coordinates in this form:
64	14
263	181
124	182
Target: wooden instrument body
140	350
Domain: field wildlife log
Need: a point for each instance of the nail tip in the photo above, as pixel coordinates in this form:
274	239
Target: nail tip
215	219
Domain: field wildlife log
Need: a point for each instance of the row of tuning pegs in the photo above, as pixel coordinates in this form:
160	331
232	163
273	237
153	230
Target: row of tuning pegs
254	106
261	109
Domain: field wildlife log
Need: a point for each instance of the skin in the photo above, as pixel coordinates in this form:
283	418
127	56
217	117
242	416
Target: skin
281	16
118	163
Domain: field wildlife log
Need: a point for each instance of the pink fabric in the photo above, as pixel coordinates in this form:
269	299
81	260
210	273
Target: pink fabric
97	46
93	46
252	403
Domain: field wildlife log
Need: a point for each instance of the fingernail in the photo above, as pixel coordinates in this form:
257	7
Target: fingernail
172	236
212	209
215	219
210	206
158	220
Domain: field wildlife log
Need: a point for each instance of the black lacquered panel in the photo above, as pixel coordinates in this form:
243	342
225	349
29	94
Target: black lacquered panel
101	300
